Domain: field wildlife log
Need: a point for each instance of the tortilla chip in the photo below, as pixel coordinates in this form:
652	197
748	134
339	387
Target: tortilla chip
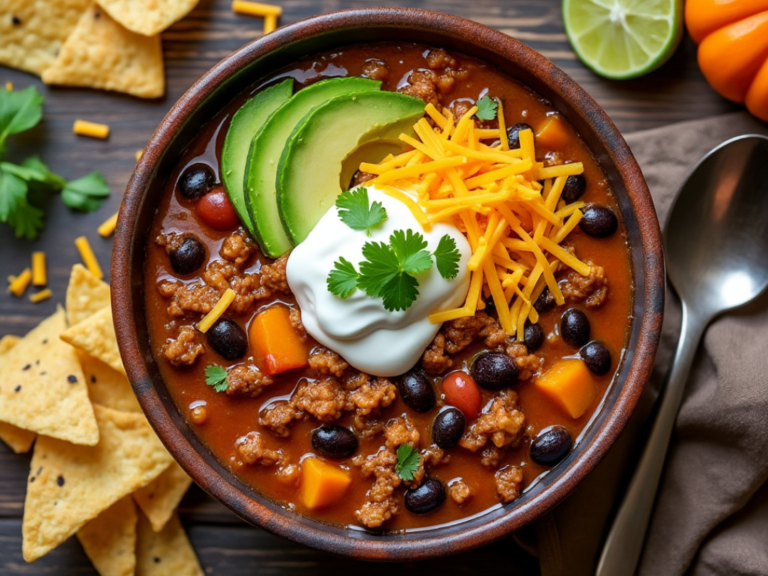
109	540
86	294
70	485
102	54
18	440
159	499
166	552
107	387
33	31
96	336
42	387
147	17
8	342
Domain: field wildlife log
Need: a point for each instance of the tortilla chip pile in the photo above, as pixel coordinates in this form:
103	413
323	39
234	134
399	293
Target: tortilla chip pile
107	44
98	470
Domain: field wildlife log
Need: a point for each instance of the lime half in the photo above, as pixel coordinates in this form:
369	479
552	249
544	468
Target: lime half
623	39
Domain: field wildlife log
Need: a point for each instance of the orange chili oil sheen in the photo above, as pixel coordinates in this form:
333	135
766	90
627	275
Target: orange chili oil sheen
229	418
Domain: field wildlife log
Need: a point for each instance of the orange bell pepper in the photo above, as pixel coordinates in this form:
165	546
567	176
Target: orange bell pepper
276	346
322	484
733	48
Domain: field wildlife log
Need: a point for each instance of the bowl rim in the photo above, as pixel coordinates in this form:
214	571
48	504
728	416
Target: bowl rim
347	542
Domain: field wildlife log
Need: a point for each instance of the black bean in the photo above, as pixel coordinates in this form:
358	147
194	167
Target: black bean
533	337
597	357
416	391
513	133
574	188
228	339
551	445
334	441
574	327
545	302
189	256
494	371
196	181
448	427
426	497
599	222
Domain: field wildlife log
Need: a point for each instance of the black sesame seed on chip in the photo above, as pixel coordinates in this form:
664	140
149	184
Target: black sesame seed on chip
17	388
27	367
16	20
60	480
33	479
157	560
43	373
45	341
72	379
93	379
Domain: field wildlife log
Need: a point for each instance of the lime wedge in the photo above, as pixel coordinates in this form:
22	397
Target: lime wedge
623	39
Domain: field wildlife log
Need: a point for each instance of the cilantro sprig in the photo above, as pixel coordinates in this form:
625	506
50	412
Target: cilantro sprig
24	185
407	461
486	108
216	377
357	213
388	271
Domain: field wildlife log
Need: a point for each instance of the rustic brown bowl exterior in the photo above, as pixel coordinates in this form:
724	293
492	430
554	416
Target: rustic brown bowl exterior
259	59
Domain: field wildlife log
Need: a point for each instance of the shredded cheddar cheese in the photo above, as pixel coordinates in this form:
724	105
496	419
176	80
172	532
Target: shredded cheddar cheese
9	86
221	306
20	283
39	276
107	228
40	296
139	154
256	9
92	129
89	258
505	201
270	24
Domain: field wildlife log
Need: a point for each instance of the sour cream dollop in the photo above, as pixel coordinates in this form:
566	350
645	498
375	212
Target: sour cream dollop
359	328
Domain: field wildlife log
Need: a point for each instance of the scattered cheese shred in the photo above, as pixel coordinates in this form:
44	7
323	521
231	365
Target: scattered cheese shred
256	9
89	258
270	24
139	154
107	228
9	86
40	296
39	276
92	129
505	201
221	306
20	283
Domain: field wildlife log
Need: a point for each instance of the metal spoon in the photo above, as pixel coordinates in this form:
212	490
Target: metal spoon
716	240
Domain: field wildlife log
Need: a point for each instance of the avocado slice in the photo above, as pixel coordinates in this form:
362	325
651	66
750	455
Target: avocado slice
265	151
244	125
309	172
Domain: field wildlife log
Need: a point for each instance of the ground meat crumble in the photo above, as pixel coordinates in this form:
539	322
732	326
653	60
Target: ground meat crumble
508	483
185	348
459	491
380	502
591	289
247	380
503	424
324	399
252	449
456	335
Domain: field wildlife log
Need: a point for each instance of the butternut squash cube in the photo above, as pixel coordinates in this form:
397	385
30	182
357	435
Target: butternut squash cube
553	134
570	385
322	484
274	342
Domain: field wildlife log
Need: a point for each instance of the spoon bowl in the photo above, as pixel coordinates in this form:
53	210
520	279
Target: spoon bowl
716	235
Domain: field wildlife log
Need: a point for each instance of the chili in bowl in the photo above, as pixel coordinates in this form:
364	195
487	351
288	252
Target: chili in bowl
387	291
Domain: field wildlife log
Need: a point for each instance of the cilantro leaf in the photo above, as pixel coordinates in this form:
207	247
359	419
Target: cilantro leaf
355	211
342	280
447	258
86	193
407	461
486	108
380	266
19	111
13	191
216	376
400	292
409	247
42	174
27	221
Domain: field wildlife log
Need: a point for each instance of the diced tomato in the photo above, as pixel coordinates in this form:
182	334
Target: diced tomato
460	390
216	210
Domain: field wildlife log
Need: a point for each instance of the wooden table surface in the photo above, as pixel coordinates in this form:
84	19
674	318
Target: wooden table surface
225	545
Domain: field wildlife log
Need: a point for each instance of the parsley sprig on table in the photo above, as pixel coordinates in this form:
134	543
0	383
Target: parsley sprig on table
356	213
216	377
486	108
23	185
407	461
388	271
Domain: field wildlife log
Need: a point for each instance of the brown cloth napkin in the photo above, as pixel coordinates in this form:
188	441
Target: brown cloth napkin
711	515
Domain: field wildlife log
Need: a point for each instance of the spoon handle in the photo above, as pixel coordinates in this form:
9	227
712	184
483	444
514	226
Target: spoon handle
624	544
